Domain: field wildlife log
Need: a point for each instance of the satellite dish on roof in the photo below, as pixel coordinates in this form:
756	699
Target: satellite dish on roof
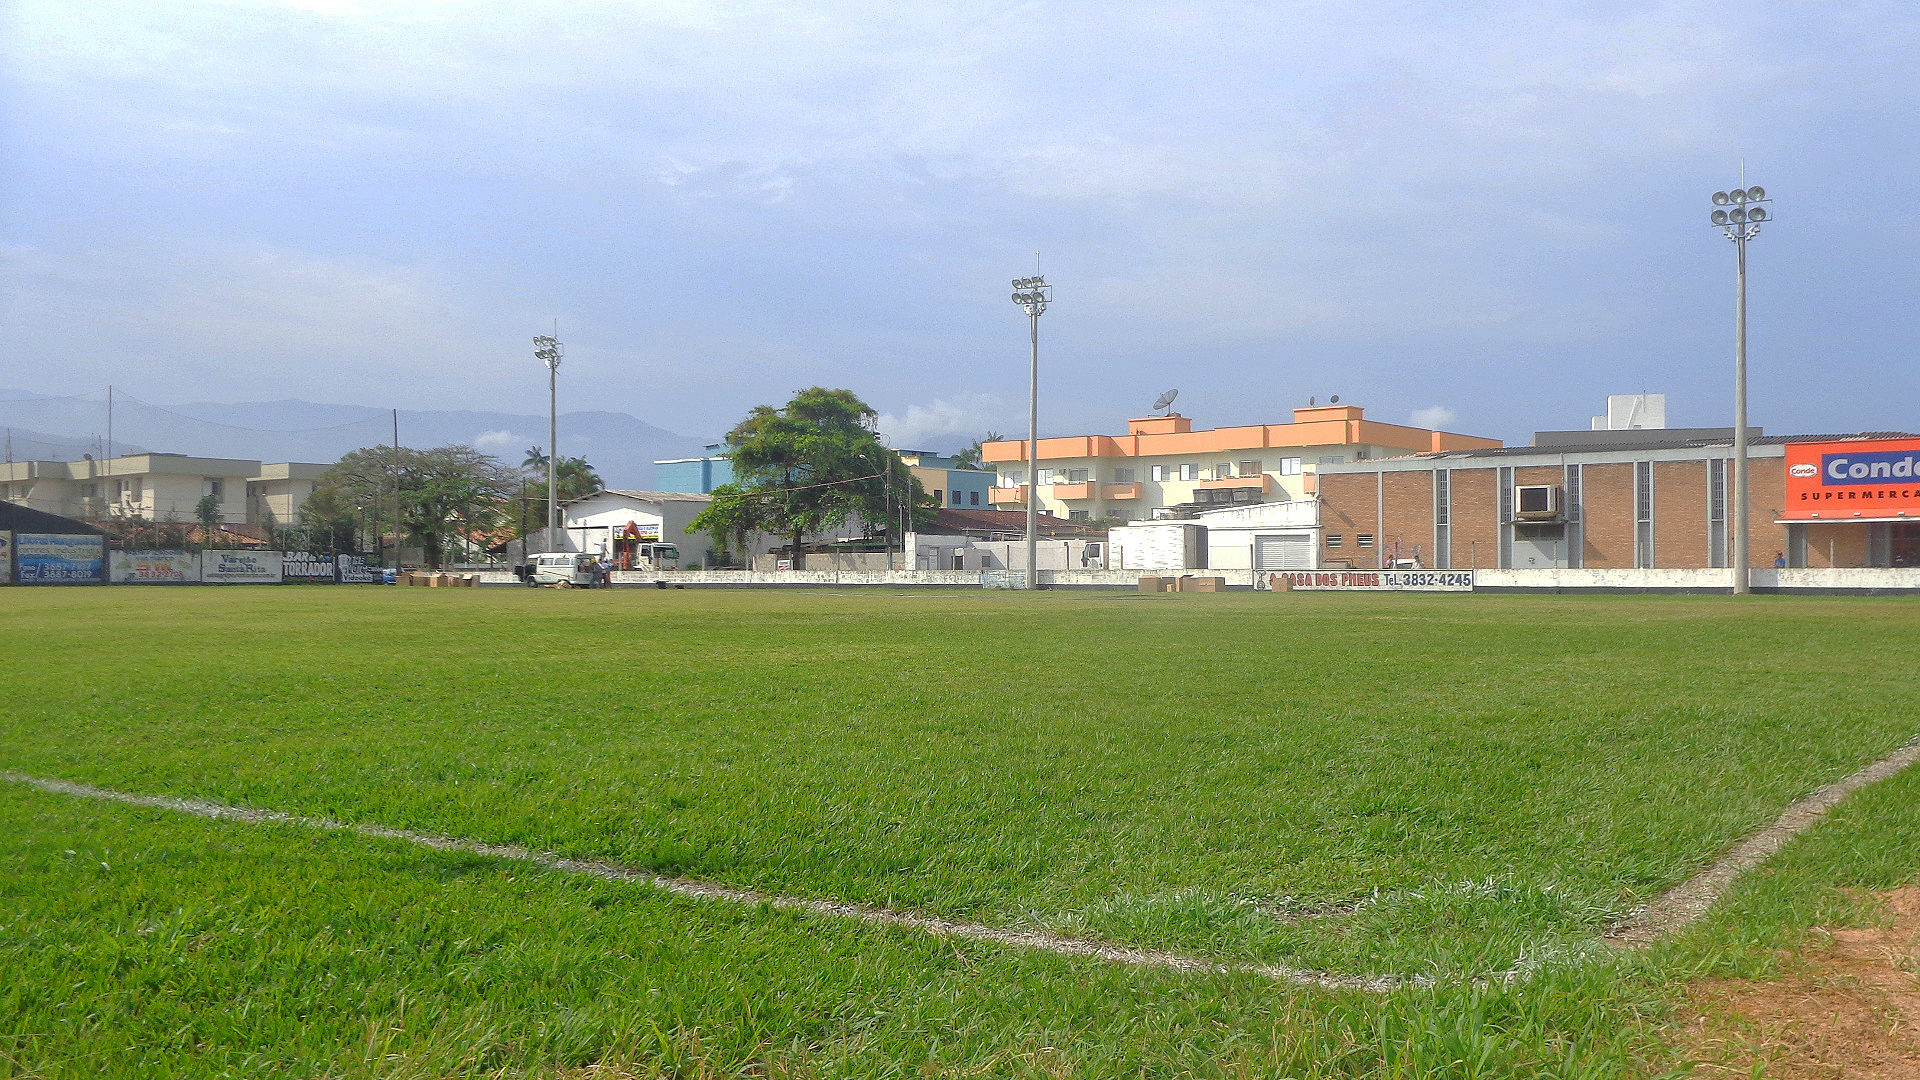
1165	399
1334	400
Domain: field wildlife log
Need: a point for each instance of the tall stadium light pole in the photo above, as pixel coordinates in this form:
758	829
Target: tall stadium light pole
549	350
1034	294
1739	213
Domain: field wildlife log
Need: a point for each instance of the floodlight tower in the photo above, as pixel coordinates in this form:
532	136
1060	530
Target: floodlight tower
549	350
1738	213
1034	294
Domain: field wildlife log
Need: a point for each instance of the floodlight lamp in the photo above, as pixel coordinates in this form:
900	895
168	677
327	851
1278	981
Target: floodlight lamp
1739	195
1755	194
1719	217
1738	216
1721	198
1758	213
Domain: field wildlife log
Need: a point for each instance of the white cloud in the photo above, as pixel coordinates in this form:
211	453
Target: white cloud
940	426
1438	417
488	440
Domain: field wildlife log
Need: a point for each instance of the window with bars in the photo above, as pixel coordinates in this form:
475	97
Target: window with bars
1643	513
1364	540
1333	540
1717	512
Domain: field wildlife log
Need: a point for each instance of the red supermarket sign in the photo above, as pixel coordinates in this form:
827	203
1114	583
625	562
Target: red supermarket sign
1862	478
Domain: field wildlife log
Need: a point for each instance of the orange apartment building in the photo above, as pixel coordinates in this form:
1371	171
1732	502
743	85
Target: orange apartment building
1162	465
1627	499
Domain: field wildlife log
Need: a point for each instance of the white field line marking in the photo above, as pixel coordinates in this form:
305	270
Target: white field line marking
1680	906
1689	901
703	890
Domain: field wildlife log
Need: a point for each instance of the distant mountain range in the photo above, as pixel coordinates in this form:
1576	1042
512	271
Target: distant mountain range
621	447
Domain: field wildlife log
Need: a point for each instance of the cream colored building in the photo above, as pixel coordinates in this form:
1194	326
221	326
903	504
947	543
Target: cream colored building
162	487
1162	462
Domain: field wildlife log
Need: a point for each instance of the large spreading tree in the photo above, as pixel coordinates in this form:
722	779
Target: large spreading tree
809	468
448	496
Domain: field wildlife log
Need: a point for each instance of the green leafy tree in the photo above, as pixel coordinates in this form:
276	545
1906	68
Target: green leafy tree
573	478
449	497
207	513
329	524
970	457
810	467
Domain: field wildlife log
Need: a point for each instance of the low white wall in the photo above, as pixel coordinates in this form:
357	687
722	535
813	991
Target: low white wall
896	578
1903	577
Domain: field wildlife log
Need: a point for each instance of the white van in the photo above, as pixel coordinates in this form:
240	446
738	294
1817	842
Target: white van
564	569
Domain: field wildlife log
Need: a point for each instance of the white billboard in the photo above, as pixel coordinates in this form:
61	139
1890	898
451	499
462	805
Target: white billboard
240	567
154	567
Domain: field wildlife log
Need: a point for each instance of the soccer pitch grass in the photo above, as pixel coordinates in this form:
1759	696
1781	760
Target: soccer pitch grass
1444	786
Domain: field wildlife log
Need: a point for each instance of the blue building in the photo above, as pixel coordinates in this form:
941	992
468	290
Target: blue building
696	475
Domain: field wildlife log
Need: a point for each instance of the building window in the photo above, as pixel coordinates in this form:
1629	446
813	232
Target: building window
973	498
1223	471
1717	512
1250	468
213	487
1333	540
1643	513
1364	540
1043	477
1076	476
1442	519
1012	479
1079	515
1334	459
1123	476
1189	472
1289	466
1158	473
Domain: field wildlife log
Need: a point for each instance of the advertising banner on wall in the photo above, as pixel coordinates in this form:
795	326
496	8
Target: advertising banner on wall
57	559
1377	580
154	567
1862	478
354	570
304	567
240	567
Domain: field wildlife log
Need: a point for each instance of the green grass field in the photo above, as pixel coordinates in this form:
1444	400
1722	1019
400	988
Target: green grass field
1419	785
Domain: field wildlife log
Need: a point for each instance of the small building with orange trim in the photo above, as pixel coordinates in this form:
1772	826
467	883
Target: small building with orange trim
1162	466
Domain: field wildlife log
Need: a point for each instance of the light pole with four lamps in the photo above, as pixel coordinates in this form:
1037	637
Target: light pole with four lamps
1034	295
549	350
1739	214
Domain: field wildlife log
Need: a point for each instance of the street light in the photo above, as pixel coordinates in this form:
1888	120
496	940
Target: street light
549	350
1034	295
1739	213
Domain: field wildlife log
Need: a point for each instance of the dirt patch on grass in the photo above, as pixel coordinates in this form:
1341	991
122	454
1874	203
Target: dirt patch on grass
1849	1006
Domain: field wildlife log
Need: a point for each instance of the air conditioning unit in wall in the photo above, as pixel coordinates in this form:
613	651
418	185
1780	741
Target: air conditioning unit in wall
1536	502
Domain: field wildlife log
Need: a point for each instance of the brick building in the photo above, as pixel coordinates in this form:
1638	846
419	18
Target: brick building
1619	499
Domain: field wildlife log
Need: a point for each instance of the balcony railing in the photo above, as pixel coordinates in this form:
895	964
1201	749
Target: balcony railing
1121	491
1069	492
1008	496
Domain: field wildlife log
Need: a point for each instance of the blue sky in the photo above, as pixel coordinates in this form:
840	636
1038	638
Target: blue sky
1493	215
